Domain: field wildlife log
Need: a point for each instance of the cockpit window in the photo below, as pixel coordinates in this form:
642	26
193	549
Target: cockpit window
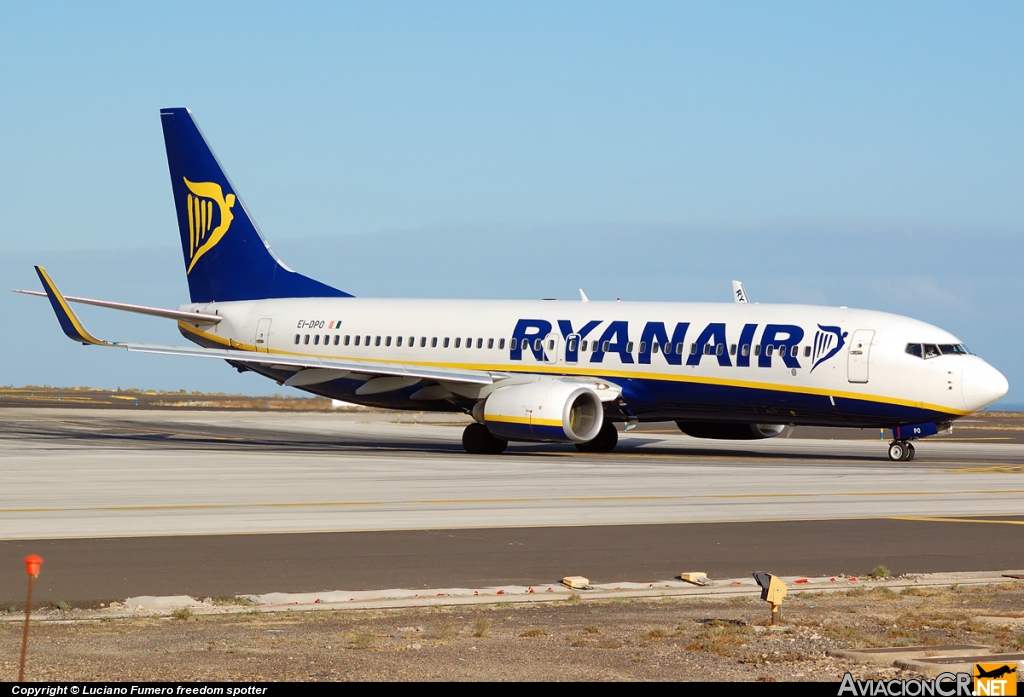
935	350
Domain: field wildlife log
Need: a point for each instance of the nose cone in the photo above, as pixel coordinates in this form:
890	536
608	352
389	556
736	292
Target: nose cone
982	384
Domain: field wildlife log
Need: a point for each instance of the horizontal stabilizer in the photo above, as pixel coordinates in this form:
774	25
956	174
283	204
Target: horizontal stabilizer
190	317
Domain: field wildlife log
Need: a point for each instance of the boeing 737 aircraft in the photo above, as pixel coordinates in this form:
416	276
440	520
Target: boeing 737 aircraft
551	371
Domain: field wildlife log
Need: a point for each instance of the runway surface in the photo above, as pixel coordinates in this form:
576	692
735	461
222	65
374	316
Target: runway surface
188	485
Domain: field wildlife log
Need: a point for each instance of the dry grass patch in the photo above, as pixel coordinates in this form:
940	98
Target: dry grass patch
721	638
536	631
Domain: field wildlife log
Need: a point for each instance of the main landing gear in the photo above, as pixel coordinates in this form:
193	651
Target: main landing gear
477	440
605	442
901	450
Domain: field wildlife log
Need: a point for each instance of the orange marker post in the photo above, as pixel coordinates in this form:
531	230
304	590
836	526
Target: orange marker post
32	564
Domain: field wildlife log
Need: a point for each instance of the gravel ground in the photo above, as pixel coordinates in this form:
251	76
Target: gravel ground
579	639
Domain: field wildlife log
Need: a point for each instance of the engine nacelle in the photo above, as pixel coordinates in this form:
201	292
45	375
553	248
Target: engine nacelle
549	410
726	431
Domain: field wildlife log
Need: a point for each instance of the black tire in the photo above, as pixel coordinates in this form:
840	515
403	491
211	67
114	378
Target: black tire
477	440
897	451
910	453
605	442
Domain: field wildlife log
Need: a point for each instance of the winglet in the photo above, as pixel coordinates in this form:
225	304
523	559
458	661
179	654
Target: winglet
69	322
738	294
583	296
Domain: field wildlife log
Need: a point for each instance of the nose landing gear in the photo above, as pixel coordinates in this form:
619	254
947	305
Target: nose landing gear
901	450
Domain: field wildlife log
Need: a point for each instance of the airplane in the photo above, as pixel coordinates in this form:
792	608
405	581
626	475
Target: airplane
543	370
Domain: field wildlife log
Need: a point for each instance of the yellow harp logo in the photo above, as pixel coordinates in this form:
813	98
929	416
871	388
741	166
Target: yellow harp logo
202	236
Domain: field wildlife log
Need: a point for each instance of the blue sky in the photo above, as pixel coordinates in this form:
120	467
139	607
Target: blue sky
608	138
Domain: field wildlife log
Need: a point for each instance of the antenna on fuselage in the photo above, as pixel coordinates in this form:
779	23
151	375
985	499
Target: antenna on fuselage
738	294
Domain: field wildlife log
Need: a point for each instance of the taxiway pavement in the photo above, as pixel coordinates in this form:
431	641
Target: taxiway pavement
221	497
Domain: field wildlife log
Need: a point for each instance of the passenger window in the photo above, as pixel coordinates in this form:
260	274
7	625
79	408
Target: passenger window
931	351
387	341
679	348
551	345
655	347
537	344
358	339
629	347
433	342
398	341
583	346
605	346
757	349
377	341
732	350
501	343
469	343
316	339
446	340
707	349
480	343
745	351
720	349
337	339
794	351
643	347
423	342
807	351
693	349
305	339
490	343
347	338
768	350
526	345
367	341
667	349
412	342
458	341
297	337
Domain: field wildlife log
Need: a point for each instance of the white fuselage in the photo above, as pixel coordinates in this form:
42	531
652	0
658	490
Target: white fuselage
724	361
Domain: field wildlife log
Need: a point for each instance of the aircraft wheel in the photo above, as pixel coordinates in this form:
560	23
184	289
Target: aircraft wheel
605	442
477	440
898	450
910	453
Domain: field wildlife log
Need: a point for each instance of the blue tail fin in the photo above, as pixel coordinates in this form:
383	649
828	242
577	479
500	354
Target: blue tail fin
226	257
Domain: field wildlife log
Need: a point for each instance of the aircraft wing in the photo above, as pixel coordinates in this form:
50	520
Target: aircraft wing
74	329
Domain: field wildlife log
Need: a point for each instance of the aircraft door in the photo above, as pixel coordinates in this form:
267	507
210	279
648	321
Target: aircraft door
859	356
551	348
263	335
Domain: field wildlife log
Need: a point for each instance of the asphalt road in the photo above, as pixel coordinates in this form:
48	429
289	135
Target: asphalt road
214	504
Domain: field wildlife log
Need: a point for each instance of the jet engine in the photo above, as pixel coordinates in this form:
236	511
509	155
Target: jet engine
548	409
728	431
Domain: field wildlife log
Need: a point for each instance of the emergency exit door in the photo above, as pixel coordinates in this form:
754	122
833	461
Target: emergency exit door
860	355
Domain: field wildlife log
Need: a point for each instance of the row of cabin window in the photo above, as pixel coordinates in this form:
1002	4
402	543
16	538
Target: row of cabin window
667	348
349	340
709	349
